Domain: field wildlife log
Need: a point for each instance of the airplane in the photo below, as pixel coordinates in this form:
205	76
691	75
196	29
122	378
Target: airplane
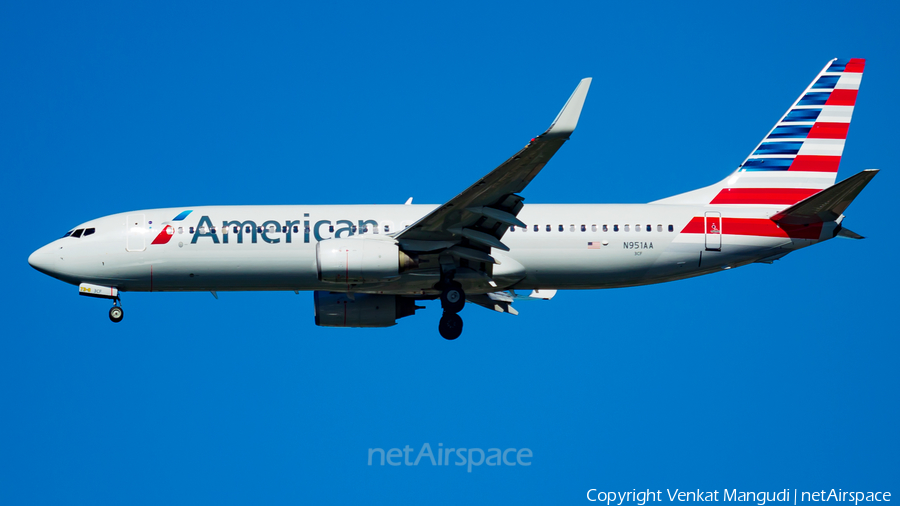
369	265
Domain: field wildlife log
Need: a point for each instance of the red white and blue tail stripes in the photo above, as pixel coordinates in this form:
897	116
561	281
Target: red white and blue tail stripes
801	154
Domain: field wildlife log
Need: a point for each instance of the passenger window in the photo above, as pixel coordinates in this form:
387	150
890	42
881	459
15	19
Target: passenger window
387	228
584	228
605	228
247	231
659	228
78	232
525	228
561	228
593	228
649	228
203	229
296	229
212	229
191	230
271	229
259	229
615	228
671	228
637	228
305	229
181	230
331	228
537	228
571	228
549	228
284	229
512	228
626	228
89	231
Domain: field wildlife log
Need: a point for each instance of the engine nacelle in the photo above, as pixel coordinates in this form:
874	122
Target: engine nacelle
363	310
358	260
361	260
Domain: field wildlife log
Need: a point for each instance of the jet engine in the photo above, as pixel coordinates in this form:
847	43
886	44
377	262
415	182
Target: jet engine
360	260
361	310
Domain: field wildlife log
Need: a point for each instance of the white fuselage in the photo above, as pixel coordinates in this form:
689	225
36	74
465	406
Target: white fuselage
274	247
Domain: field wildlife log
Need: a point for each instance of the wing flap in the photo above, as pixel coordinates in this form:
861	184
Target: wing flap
490	301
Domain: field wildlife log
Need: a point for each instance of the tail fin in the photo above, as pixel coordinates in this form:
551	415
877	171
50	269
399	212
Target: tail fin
800	155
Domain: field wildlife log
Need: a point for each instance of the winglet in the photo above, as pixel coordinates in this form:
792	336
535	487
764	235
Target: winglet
567	119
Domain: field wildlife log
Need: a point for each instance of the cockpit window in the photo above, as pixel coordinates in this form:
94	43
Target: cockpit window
88	231
78	232
68	233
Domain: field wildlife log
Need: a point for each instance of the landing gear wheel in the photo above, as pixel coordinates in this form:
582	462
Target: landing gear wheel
453	298
451	326
116	314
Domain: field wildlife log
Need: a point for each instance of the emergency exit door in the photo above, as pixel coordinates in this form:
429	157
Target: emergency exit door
713	228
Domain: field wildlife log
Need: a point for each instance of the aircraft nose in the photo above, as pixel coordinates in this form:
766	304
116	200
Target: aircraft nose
42	260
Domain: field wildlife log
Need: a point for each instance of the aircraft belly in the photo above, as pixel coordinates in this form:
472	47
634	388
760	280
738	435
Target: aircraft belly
569	268
288	269
634	263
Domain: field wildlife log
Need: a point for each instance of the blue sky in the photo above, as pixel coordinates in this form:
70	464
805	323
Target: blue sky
761	378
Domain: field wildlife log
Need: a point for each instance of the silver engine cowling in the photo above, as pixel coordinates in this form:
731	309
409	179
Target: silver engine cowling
362	310
355	260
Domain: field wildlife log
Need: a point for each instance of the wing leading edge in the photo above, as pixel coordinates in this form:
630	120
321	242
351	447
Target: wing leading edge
477	218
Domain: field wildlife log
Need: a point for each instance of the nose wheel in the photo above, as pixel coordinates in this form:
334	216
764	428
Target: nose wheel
116	314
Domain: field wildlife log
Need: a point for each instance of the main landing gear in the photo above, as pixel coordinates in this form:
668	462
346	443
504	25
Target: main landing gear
453	300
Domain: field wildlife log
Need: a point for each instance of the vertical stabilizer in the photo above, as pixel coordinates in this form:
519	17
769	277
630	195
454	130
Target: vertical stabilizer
800	155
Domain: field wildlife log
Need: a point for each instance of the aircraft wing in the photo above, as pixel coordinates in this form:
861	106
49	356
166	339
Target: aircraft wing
478	217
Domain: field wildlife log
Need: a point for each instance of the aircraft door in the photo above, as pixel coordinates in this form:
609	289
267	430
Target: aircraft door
136	232
713	230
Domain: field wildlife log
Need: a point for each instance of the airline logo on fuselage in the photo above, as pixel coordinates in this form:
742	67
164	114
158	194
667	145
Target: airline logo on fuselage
273	231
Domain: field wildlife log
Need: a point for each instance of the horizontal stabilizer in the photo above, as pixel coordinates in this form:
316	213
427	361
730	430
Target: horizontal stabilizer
849	234
827	205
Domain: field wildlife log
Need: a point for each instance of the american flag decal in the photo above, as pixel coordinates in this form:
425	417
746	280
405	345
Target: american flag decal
594	245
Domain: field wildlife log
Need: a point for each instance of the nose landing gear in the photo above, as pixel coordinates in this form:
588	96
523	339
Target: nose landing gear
453	300
116	314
